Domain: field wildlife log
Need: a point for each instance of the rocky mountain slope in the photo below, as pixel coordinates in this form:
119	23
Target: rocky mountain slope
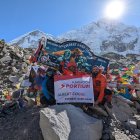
102	37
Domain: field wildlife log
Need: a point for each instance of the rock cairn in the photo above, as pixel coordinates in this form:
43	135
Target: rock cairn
13	65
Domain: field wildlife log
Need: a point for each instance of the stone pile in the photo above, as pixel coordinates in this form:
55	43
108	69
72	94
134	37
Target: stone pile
117	60
123	122
13	65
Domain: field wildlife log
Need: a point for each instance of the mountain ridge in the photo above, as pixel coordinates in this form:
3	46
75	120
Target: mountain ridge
102	37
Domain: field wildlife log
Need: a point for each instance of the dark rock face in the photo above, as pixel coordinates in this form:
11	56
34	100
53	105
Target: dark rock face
117	45
107	36
117	60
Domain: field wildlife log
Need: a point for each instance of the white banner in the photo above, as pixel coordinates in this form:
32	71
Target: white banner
73	89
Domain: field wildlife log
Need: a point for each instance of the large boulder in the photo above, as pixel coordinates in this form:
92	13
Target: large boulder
66	122
121	109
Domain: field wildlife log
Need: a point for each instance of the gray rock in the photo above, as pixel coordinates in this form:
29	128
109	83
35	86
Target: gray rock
137	118
127	132
105	137
27	57
6	58
20	55
137	131
138	124
137	106
98	110
118	107
5	50
66	122
24	65
112	136
132	124
14	70
30	101
121	136
14	79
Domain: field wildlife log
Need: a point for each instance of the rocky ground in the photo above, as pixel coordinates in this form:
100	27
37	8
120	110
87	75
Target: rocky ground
13	65
114	130
23	124
122	122
117	60
15	123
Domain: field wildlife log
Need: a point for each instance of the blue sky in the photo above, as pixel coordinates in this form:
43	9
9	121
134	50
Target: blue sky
56	16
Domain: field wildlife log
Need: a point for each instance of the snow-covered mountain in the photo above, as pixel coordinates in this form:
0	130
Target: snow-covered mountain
102	37
30	40
106	36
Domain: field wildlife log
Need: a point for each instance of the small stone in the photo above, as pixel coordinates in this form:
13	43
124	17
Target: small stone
105	137
112	136
138	123
13	79
6	58
137	131
127	132
106	131
136	135
14	69
132	124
